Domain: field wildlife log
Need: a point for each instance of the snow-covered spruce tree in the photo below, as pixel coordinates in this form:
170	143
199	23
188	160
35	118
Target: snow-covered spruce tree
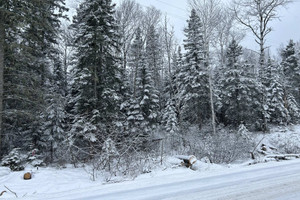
291	69
135	118
239	90
29	51
194	84
10	15
228	82
171	125
47	54
177	75
136	56
143	114
154	56
291	78
147	97
55	114
275	94
14	160
97	76
229	85
149	100
171	89
170	116
253	111
178	60
293	107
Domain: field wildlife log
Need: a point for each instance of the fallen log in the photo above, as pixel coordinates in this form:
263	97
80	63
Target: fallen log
283	156
187	161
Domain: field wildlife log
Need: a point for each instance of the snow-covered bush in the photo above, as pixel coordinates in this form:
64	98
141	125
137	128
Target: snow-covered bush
17	159
286	142
224	147
14	160
227	147
35	159
110	153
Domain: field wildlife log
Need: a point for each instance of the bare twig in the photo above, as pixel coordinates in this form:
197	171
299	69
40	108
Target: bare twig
2	193
11	191
252	152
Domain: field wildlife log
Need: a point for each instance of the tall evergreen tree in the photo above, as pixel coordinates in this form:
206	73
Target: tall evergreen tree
291	69
97	75
195	86
30	44
275	94
144	106
239	90
154	56
55	114
148	95
136	120
136	57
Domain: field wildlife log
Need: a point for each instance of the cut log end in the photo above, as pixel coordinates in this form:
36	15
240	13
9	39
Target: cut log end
187	161
27	176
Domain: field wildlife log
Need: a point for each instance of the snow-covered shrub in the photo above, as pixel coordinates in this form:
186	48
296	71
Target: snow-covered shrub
17	159
286	142
228	146
224	147
35	159
110	152
139	163
14	160
109	148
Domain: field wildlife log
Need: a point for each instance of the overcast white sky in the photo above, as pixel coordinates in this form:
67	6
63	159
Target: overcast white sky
288	27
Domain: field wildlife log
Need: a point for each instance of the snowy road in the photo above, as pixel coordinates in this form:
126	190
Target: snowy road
270	181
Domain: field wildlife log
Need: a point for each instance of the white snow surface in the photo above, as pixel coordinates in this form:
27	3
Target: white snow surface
270	181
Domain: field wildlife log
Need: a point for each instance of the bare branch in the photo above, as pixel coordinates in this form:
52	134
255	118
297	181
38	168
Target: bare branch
11	191
256	15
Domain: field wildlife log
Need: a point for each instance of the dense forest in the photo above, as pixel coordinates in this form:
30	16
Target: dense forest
112	86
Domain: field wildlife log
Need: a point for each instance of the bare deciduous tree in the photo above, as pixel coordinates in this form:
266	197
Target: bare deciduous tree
225	31
151	17
256	15
128	15
209	12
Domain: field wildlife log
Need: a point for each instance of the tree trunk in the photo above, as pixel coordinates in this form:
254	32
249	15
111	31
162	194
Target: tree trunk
95	81
209	71
134	78
2	36
213	120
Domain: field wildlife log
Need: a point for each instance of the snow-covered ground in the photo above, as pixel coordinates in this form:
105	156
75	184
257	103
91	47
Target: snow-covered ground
271	181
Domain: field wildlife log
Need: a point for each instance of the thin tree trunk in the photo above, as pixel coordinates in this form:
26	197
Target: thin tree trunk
134	79
2	36
213	120
209	70
95	81
124	58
